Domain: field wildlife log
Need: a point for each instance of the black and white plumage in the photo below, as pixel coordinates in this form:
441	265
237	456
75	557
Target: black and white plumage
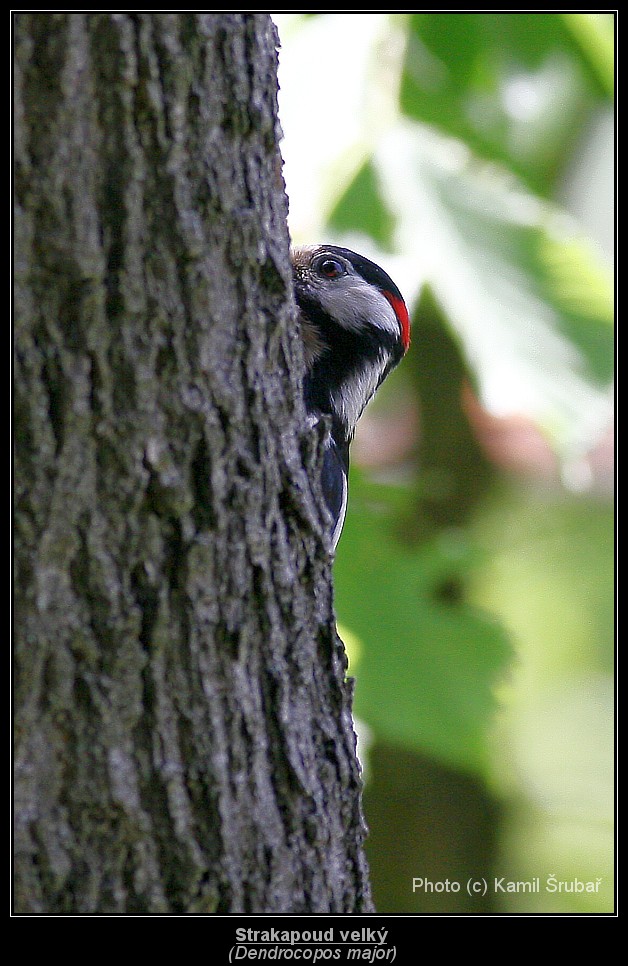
355	329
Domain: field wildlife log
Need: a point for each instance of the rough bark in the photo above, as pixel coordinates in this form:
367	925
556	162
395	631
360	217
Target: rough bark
184	740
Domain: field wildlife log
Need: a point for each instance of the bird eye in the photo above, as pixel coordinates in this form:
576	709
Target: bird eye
331	268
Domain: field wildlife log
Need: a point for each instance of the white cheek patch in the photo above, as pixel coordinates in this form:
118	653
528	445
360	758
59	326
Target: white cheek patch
352	303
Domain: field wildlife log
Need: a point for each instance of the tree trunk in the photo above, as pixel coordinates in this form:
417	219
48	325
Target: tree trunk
184	740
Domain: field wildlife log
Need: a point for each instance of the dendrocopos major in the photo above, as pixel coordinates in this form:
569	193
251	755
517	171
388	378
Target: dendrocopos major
355	329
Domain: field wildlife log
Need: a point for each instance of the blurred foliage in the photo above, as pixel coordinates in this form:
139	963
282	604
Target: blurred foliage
426	676
514	88
551	584
478	608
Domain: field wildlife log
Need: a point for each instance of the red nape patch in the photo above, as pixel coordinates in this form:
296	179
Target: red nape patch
400	310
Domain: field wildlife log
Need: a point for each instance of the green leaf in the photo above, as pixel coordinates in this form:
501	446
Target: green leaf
361	209
595	35
428	661
529	297
517	88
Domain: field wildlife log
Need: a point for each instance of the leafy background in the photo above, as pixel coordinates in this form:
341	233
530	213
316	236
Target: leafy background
471	154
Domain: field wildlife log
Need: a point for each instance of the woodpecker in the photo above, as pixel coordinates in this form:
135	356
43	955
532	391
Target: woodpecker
355	329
